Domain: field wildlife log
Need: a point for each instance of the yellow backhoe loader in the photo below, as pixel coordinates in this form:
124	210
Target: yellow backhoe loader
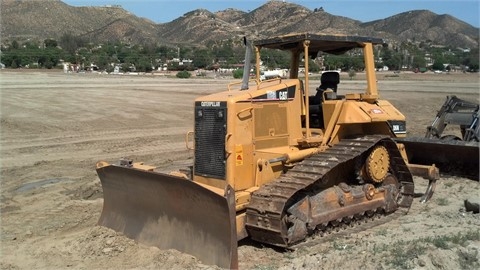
452	154
271	162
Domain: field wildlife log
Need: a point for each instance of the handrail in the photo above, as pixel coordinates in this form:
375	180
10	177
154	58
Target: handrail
227	136
240	82
186	140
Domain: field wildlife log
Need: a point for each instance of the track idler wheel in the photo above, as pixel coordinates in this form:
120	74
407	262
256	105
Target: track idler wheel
376	165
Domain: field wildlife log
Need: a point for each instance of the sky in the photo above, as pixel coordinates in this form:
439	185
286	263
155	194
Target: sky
162	11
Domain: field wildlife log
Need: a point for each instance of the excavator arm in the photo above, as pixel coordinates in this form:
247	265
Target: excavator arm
456	111
451	154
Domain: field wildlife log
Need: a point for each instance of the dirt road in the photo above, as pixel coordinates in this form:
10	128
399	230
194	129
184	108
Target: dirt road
55	127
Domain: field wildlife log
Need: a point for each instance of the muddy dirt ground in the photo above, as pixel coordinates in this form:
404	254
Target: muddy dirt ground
55	127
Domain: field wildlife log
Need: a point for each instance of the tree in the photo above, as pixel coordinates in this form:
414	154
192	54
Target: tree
353	62
418	61
166	52
71	43
332	62
312	66
102	60
202	58
275	58
471	60
49	57
187	52
144	65
473	68
148	49
391	59
48	64
438	65
125	67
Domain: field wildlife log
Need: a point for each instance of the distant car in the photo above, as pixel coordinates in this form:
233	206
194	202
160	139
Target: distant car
437	71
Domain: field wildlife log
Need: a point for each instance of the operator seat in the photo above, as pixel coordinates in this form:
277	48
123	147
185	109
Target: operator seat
328	80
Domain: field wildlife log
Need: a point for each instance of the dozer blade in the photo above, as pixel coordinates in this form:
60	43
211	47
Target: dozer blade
170	213
458	158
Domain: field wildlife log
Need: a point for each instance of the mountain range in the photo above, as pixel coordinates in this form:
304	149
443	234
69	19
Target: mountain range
30	19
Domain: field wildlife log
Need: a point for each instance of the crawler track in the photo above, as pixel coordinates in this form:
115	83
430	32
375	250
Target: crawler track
299	203
347	227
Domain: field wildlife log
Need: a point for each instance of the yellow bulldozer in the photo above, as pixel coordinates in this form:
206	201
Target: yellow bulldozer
271	162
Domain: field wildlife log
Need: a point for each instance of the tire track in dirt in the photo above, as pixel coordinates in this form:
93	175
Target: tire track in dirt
102	147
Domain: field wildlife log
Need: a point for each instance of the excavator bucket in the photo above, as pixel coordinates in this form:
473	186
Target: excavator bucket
459	158
170	212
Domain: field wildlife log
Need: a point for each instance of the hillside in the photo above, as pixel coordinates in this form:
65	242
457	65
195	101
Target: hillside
53	18
30	19
425	25
230	15
197	27
325	21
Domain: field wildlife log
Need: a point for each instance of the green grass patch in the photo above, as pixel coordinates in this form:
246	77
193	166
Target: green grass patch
442	201
403	253
468	259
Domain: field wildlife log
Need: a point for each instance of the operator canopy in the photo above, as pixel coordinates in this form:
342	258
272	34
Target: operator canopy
333	44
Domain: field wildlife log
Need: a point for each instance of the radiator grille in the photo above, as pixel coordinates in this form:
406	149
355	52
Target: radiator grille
210	131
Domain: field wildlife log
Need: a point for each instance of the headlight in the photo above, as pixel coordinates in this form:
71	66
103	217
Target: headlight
199	113
220	114
398	127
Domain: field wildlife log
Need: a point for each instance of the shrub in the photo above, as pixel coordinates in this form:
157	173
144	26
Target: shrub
238	73
183	74
351	73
